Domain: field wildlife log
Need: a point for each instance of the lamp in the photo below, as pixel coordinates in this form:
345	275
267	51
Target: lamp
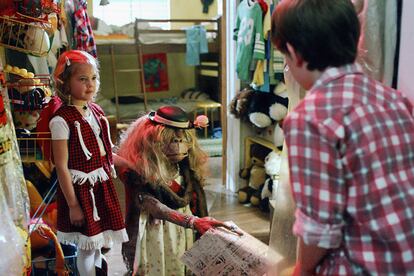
104	2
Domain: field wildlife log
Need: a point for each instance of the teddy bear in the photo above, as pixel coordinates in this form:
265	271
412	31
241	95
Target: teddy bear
257	177
255	174
272	168
259	108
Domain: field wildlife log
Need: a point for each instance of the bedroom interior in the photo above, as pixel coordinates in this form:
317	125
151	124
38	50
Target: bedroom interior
200	89
124	50
206	77
143	48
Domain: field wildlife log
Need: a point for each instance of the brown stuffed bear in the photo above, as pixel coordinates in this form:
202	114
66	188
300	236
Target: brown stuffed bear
257	177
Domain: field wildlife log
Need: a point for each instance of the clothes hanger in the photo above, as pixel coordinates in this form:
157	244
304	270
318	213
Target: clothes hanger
251	2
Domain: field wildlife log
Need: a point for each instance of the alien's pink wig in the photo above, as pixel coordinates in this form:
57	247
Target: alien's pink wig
143	144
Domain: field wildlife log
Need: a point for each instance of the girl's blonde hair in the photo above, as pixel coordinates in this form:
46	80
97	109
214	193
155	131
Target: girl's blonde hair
66	66
143	144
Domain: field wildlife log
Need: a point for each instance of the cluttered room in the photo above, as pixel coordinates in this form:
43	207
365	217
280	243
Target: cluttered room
208	137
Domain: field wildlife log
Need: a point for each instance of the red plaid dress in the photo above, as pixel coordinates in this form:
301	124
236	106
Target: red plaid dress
90	174
351	157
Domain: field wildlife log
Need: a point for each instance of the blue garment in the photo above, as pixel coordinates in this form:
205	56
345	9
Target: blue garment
196	44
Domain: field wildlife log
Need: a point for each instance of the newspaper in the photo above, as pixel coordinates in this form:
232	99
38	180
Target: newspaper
221	252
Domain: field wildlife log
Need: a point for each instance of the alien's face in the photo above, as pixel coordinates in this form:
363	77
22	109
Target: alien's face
178	147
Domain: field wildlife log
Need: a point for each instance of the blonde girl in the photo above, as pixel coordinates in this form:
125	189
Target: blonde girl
89	213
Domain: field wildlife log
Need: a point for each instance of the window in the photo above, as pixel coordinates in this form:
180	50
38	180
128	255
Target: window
121	12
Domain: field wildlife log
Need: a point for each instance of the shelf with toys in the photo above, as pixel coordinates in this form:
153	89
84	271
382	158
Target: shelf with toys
27	32
27	95
28	26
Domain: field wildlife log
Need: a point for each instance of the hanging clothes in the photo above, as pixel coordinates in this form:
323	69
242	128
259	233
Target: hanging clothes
249	36
206	4
258	76
267	19
377	43
82	28
263	6
196	44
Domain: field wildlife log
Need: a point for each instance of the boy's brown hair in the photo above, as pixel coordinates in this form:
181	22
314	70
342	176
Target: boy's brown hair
324	33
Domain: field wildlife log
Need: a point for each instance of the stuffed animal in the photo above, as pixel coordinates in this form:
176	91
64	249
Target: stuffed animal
257	177
26	119
278	135
260	108
37	40
255	173
272	167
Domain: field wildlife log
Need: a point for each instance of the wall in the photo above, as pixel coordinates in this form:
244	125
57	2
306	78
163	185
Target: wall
192	9
180	75
127	83
405	71
234	142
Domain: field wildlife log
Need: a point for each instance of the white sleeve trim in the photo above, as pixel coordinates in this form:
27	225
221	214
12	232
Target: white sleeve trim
315	233
59	128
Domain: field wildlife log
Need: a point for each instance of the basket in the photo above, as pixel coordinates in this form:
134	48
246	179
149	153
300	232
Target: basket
46	266
27	94
25	34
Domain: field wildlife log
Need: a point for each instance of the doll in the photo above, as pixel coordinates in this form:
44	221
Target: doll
165	182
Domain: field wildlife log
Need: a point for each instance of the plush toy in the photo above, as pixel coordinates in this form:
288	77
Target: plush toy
272	167
26	119
278	135
255	173
37	40
260	108
257	177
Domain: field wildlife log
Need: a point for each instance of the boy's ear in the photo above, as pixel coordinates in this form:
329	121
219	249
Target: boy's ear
296	57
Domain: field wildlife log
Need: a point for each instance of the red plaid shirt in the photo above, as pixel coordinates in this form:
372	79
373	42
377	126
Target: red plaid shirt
83	29
351	155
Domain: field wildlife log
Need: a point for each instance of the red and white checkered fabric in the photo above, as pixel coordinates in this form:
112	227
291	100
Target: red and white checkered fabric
106	200
351	156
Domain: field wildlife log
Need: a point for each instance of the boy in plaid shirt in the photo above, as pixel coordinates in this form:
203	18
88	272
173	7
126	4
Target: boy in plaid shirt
350	146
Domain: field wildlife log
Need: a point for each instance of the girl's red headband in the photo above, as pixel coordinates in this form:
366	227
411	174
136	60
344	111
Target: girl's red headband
69	57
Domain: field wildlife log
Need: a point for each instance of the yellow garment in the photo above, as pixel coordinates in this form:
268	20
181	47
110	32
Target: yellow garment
258	77
267	21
